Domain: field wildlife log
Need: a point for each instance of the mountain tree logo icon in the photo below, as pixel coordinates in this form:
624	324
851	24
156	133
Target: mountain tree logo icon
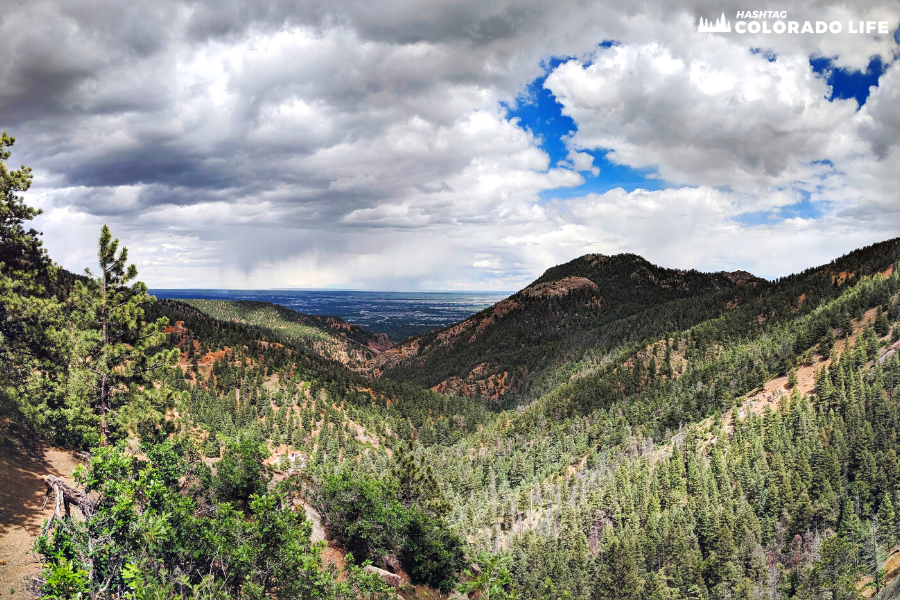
720	26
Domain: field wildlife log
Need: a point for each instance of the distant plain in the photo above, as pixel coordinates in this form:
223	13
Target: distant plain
398	314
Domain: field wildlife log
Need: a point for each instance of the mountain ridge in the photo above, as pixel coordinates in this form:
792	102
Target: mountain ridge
593	303
572	297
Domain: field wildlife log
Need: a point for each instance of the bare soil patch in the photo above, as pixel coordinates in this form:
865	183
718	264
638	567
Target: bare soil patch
23	460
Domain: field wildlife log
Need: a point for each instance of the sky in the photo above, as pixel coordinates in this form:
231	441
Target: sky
448	144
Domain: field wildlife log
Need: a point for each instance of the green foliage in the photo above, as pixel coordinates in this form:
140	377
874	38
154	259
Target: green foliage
430	551
148	538
416	482
836	572
362	513
241	473
32	340
365	515
115	356
617	575
490	578
64	581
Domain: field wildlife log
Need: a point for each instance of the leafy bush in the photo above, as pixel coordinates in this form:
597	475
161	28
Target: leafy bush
362	513
241	472
150	536
365	515
431	553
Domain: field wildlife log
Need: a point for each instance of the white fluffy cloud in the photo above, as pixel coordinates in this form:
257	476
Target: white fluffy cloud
347	144
719	116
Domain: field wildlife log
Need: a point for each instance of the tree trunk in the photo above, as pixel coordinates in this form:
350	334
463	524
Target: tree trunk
104	408
104	379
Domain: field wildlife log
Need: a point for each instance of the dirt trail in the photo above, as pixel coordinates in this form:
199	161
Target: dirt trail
23	460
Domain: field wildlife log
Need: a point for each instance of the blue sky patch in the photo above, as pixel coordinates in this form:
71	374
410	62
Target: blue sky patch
766	53
846	83
538	111
803	209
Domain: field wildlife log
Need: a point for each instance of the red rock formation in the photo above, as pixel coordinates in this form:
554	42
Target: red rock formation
557	289
740	277
380	343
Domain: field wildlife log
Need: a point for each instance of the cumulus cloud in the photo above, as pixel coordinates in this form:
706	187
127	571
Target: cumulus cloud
339	143
721	116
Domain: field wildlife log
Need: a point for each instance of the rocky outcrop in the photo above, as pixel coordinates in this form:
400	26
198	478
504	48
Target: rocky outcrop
739	277
557	289
480	382
380	343
389	578
393	356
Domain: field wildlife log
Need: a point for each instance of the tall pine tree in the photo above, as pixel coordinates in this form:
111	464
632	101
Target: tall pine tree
31	337
117	356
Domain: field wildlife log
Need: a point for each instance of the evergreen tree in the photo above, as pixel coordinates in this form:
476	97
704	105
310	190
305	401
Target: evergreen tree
417	484
617	576
792	378
875	555
31	338
887	518
836	572
881	325
117	351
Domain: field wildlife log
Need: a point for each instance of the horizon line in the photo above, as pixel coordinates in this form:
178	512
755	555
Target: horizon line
211	289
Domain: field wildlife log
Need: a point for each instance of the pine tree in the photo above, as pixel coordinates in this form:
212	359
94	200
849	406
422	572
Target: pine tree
31	338
835	572
617	576
117	351
416	482
881	325
792	378
887	519
517	470
875	555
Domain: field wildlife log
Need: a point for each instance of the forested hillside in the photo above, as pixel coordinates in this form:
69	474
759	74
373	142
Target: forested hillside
586	310
663	435
327	336
719	460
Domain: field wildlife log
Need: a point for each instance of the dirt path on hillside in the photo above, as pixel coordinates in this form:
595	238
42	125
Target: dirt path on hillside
23	460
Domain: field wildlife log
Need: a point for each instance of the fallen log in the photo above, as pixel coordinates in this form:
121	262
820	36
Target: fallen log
66	495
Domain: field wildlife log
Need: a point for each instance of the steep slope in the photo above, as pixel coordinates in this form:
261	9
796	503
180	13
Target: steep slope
595	304
330	337
681	465
700	468
592	302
